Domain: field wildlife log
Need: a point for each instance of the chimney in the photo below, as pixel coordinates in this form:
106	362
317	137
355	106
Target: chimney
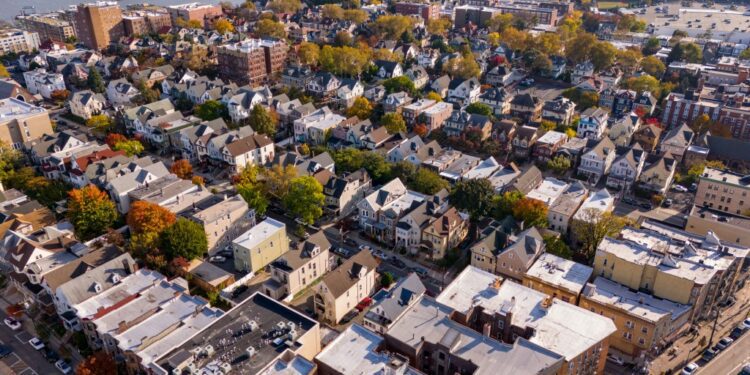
487	329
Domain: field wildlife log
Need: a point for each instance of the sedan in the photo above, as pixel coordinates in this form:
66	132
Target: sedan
364	247
708	355
63	366
679	188
419	271
615	359
397	262
12	323
217	259
36	343
724	343
350	242
690	369
5	351
745	324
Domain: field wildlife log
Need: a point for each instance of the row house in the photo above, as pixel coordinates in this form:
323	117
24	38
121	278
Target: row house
296	76
222	219
524	141
597	160
77	175
620	101
41	149
215	144
498	76
242	102
299	268
622	129
546	146
323	85
497	98
647	136
626	169
593	123
312	128
526	107
503	132
560	110
136	118
506	254
130	178
676	141
191	148
171	193
342	193
255	149
151	76
435	116
409	227
658	174
412	111
461	122
396	101
418	75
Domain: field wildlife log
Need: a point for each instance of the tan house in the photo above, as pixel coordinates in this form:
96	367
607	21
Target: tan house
558	277
21	122
507	255
224	221
657	175
445	233
343	288
206	276
299	267
259	246
647	136
734	228
343	192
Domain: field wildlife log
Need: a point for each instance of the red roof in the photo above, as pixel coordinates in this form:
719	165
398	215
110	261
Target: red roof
85	160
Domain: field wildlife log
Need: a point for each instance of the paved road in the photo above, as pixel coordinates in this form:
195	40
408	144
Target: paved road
731	360
24	360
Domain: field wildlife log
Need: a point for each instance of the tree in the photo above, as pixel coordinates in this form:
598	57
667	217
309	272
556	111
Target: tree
556	246
146	94
629	59
101	122
343	38
515	39
261	121
644	83
223	26
376	166
361	108
685	51
401	83
603	55
392	26
745	55
95	82
114	138
547	125
194	24
348	159
500	22
479	108
146	222
502	205
268	28
304	149
537	61
547	43
696	170
99	363
592	226
393	122
421	130
652	46
432	95
631	23
182	168
131	147
10	160
4	71
185	238
652	65
279	179
578	49
427	182
332	11
343	60
59	96
559	164
386	280
531	212
198	180
357	16
462	67
305	199
439	26
255	196
210	110
90	211
308	53
475	197
285	6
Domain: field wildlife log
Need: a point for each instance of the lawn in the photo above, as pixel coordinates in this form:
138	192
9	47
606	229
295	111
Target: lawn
612	4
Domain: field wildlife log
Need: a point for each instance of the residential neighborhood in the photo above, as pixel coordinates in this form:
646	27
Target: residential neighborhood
365	187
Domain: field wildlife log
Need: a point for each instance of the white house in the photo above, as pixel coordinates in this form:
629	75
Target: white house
131	179
41	82
239	106
596	162
626	168
86	103
593	123
121	92
312	127
464	92
349	90
256	149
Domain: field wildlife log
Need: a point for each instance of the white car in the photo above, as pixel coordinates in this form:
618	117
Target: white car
745	324
12	323
615	359
217	259
63	366
679	188
690	369
36	343
364	247
724	343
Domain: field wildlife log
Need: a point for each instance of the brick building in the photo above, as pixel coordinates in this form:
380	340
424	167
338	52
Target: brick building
98	24
251	61
427	11
48	27
194	11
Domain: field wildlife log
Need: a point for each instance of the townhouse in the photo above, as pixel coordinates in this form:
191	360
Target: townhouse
343	288
342	193
597	160
592	124
380	211
260	245
506	254
299	268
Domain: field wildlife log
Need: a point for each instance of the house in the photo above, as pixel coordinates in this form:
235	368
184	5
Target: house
396	101
412	111
647	136
343	192
507	255
498	76
434	117
208	277
619	101
498	99
349	90
255	149
645	104
86	103
381	210
375	94
388	310
440	85
657	174
215	145
676	141
297	76
299	268
558	67
44	83
416	218
222	220
546	146
463	92
260	245
343	288
130	178
121	92
323	85
559	110
560	212
461	122
428	57
312	128
549	191
558	277
593	123
582	71
170	192
622	130
388	69
523	142
503	132
626	169
444	233
611	76
243	102
11	89
151	76
596	162
526	107
42	149
413	150
591	84
418	75
193	139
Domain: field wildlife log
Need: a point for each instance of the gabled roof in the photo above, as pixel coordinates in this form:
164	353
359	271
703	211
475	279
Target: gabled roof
346	275
525	100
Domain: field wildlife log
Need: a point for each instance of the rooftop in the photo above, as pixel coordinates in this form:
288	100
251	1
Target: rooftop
725	176
249	45
131	285
259	233
549	191
355	351
560	272
12	109
639	304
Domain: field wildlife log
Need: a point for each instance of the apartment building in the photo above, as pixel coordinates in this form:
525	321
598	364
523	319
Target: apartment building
194	12
734	228
21	122
170	192
44	83
380	211
479	15
145	22
223	221
299	267
18	41
723	190
435	115
98	24
47	26
558	277
251	61
385	312
343	288
684	108
260	245
427	11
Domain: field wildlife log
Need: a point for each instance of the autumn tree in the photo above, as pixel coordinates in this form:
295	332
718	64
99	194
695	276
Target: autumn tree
464	67
10	161
643	83
90	211
515	39
531	212
268	28
278	179
386	55
198	180
223	26
261	121
59	96
556	246
344	60
652	46
146	222
361	108
332	11
284	6
305	199
393	122
432	95
603	55
357	16
590	228
578	49
652	65
392	26
308	53
101	123
114	138
502	205
421	130
185	238
182	168
4	71
687	52
130	147
99	363
439	26
252	189
559	164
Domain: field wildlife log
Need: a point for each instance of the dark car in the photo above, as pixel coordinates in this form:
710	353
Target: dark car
239	290
728	302
5	351
736	333
50	355
629	200
419	271
350	242
708	355
397	262
349	316
646	205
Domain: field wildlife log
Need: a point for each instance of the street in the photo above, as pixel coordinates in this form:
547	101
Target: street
24	360
730	360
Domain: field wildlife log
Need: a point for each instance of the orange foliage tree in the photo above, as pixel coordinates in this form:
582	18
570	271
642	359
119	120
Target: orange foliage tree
531	211
182	168
114	138
149	217
99	363
90	211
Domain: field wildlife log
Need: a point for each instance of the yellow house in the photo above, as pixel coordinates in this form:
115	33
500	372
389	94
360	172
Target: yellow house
259	246
342	289
445	233
558	277
658	175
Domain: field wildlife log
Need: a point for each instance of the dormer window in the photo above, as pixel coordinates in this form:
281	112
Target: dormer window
97	288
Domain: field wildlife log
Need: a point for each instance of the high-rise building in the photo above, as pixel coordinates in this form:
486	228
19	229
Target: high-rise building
251	61
194	11
144	22
98	24
426	10
14	40
48	26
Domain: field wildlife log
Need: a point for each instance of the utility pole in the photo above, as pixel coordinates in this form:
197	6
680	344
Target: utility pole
713	329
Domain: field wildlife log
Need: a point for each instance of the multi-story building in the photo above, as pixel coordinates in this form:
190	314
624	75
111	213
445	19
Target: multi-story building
593	123
44	83
702	220
681	108
562	210
597	161
194	12
343	288
479	15
427	11
222	221
48	26
380	211
18	41
299	267
251	61
385	312
21	122
412	111
723	191
345	191
260	245
98	24
145	22
558	277
435	115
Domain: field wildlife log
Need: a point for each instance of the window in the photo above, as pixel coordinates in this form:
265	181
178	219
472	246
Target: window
644	329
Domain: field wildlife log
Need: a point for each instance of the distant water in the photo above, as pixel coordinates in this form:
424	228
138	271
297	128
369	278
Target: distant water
11	8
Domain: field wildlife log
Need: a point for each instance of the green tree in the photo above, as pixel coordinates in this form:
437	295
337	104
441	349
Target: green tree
147	94
261	121
185	238
305	199
210	110
502	205
386	279
95	81
547	125
480	109
255	196
376	166
630	22
393	122
348	159
100	123
652	46
131	147
592	226
559	164
531	212
343	60
10	161
578	49
652	65
474	197
343	38
685	51
464	67
745	55
268	28
308	53
432	95
644	83
90	211
427	182
361	108
401	83
556	246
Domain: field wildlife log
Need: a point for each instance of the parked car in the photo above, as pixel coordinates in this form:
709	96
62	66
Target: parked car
363	304
350	242
364	247
629	201
679	188
50	355
36	343
690	369
745	369
724	343
349	316
63	366
13	324
746	324
5	351
693	187
419	271
239	290
736	333
728	302
615	359
667	202
397	262
708	355
646	205
217	259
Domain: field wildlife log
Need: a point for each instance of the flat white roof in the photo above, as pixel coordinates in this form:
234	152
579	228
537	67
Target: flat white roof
642	305
353	352
259	233
549	191
563	273
12	108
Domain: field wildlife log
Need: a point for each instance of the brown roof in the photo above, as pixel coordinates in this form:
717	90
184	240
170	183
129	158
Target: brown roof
341	279
323	176
449	220
247	144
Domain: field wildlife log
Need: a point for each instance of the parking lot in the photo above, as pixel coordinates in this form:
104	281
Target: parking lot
13	362
545	89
